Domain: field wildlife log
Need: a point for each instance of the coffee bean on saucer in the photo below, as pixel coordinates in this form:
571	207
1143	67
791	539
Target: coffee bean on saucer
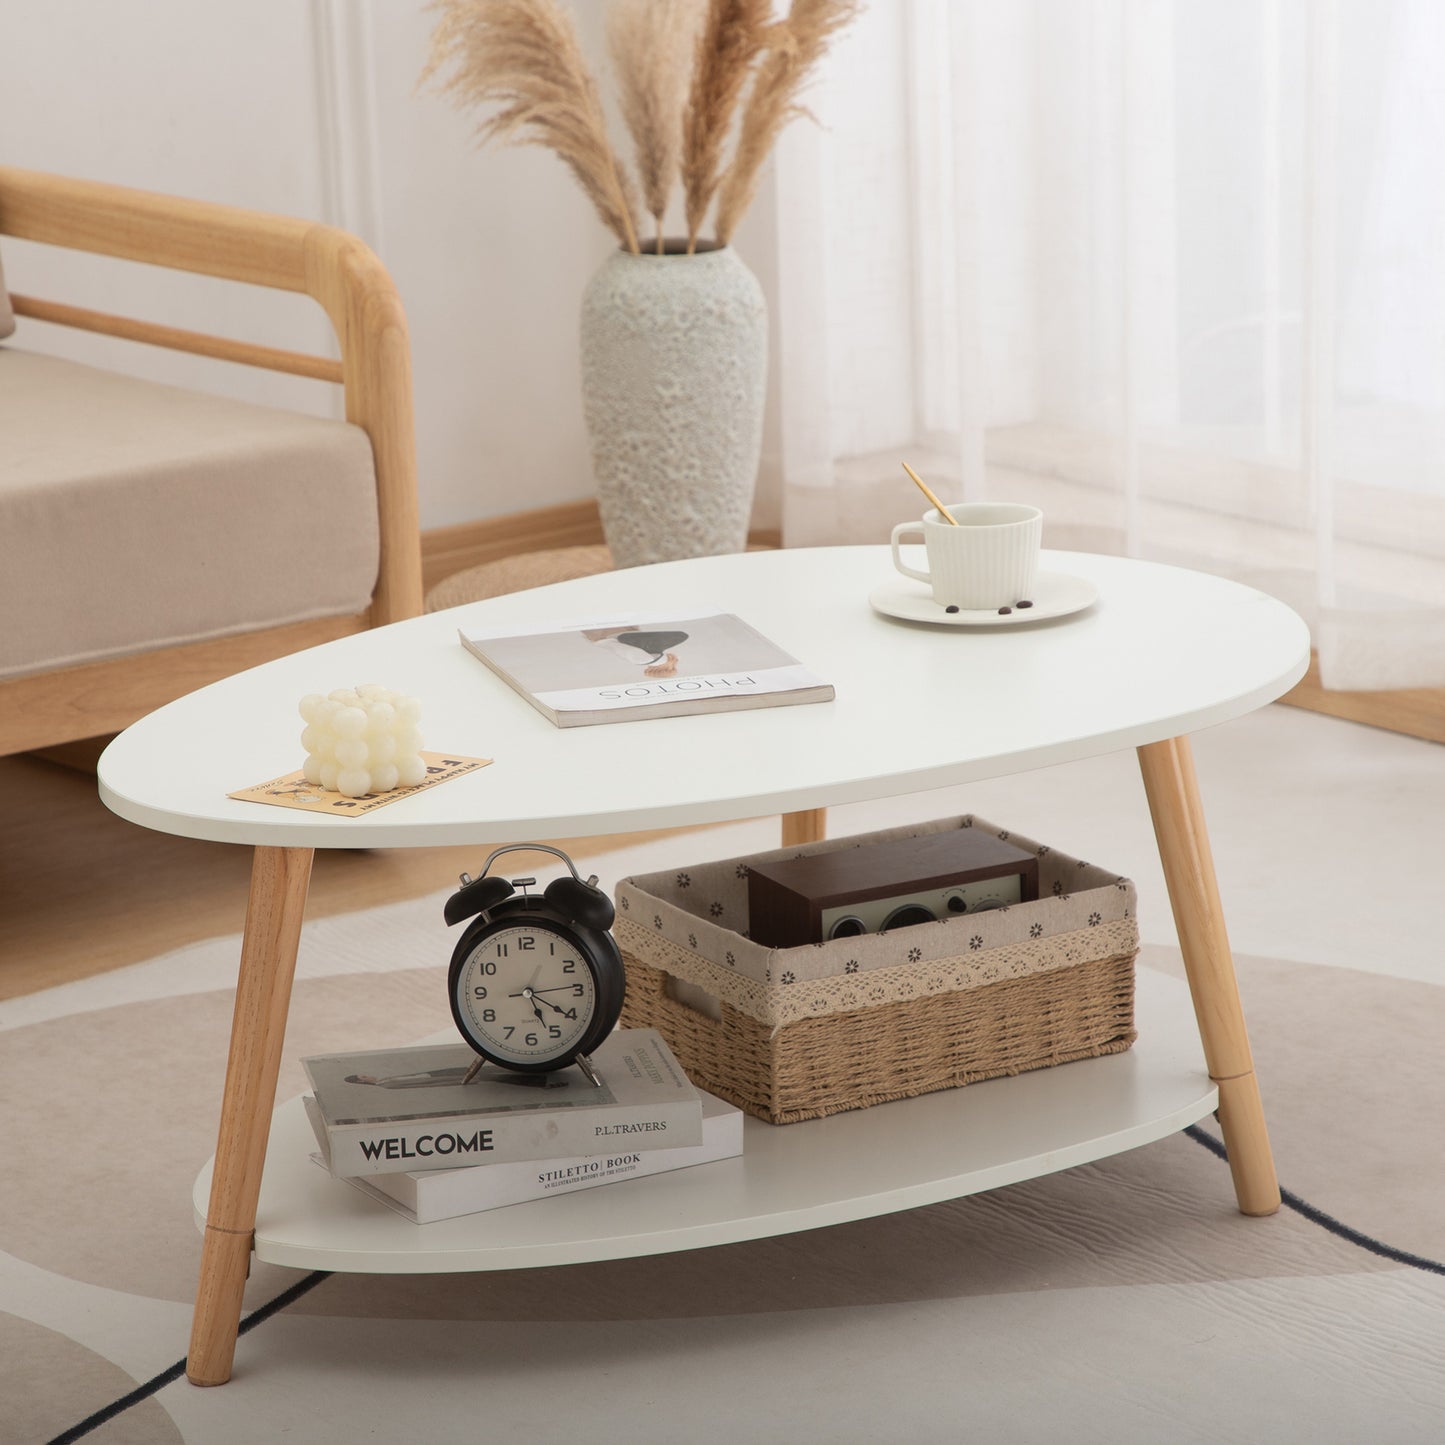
952	607
1004	611
1023	604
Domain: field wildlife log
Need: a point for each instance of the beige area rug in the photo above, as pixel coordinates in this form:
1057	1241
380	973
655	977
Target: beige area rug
1122	1301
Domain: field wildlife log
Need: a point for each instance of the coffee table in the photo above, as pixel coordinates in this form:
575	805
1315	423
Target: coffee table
1163	653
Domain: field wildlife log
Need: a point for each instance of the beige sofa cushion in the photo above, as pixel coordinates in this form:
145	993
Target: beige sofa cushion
7	316
135	516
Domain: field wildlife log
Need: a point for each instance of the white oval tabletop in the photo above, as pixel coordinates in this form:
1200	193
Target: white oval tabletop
1162	652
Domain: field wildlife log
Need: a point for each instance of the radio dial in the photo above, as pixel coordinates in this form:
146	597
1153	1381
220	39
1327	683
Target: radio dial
909	914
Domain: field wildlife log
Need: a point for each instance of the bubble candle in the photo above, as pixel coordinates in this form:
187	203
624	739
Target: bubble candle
362	740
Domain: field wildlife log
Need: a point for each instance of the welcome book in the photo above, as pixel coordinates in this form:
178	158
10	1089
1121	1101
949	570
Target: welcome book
386	1110
621	669
425	1197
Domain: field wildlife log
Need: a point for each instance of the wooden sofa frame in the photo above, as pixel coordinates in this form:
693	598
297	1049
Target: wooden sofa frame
350	284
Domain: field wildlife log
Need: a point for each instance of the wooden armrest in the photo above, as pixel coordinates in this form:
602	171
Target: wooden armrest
185	235
335	268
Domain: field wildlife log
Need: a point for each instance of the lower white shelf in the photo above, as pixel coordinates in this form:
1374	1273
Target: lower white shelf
798	1176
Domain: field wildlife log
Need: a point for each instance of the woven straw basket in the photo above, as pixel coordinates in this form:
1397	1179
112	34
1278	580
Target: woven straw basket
795	1033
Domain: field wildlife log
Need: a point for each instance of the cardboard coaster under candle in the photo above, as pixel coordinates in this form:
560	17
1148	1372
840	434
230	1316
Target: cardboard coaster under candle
293	791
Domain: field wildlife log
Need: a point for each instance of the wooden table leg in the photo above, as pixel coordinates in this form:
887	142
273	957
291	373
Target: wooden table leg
809	826
1173	792
279	880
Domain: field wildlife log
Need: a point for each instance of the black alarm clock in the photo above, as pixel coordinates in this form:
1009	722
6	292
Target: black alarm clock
536	981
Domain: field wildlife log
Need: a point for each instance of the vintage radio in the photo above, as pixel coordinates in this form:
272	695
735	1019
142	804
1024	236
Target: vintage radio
880	886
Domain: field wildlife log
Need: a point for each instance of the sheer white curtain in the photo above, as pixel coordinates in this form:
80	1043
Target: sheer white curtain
1173	270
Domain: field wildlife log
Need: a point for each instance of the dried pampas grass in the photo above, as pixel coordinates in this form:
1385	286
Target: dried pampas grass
732	37
795	47
652	42
524	56
682	73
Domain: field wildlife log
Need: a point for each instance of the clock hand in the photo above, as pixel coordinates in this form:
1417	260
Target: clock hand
530	995
528	991
561	988
527	994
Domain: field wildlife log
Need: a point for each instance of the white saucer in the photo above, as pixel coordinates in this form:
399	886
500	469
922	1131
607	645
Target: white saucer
1056	594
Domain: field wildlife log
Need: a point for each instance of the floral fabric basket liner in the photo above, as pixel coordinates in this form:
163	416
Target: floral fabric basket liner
693	924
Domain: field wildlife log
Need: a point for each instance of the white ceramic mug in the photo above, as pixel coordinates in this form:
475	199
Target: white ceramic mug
989	560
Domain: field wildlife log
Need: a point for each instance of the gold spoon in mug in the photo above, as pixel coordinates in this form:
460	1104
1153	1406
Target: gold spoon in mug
928	492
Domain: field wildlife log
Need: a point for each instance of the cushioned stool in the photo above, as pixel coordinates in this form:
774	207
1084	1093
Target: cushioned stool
516	574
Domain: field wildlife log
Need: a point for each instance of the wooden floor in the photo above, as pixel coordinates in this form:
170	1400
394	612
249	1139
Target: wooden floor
82	891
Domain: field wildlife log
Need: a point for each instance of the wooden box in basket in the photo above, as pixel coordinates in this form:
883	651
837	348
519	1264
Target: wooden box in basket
794	1033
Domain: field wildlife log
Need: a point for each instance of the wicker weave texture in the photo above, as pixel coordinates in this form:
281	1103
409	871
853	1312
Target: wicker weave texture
818	1066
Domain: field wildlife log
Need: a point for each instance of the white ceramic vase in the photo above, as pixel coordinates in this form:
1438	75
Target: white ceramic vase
674	371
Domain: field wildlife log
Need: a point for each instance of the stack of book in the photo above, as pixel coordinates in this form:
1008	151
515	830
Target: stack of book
401	1126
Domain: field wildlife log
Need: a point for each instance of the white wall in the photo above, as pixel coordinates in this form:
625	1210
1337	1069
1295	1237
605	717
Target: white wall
311	109
201	100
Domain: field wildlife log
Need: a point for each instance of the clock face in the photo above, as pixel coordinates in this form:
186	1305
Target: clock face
526	994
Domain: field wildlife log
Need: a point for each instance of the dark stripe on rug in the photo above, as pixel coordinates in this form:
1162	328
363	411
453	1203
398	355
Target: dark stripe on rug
286	1297
1326	1221
175	1372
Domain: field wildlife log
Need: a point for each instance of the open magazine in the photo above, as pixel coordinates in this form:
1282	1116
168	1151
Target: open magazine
646	665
